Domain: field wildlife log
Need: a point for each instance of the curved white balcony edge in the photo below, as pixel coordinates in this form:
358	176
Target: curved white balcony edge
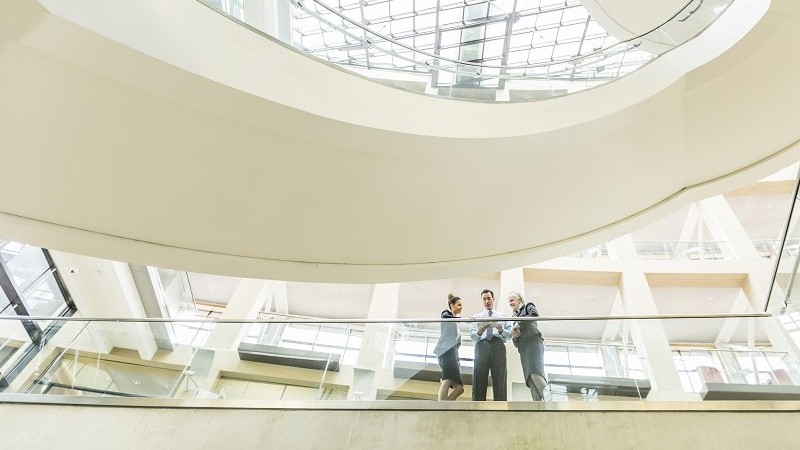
208	44
114	153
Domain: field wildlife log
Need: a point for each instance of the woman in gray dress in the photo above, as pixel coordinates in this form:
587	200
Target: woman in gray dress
447	351
529	342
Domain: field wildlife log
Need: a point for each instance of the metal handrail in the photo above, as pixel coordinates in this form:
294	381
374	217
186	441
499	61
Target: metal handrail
299	4
396	321
577	62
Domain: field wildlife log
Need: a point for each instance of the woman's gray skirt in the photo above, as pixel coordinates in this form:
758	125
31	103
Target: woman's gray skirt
531	353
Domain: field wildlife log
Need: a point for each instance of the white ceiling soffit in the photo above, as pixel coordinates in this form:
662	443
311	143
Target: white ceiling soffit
305	172
626	19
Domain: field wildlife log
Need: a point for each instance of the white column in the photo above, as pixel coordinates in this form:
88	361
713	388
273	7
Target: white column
729	326
245	303
376	343
690	225
651	340
280	297
648	335
755	288
612	329
104	288
723	224
513	280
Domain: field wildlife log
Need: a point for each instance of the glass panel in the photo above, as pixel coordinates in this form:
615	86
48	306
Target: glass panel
296	359
25	263
541	33
44	297
34	279
785	290
5	305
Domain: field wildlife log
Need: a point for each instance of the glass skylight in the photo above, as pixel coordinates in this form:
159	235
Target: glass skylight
520	49
499	33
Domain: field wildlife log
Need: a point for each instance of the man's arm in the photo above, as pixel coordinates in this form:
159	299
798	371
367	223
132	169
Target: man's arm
473	331
504	327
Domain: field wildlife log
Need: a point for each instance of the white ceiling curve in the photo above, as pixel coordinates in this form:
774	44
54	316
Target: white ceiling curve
118	154
625	19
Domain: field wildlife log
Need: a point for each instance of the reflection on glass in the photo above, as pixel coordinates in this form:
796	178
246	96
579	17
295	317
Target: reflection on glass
5	305
691	250
785	290
34	279
315	361
80	375
44	297
239	389
343	340
482	50
754	367
25	263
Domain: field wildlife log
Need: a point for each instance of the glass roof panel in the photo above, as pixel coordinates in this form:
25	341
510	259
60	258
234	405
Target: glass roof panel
497	29
375	11
571	32
575	14
493	49
451	16
424	5
507	37
548	19
424	22
401	8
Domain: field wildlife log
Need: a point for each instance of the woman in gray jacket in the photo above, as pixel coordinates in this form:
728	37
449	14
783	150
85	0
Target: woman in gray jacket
528	340
447	351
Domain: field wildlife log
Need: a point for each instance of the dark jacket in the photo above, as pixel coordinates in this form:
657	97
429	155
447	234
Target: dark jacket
527	328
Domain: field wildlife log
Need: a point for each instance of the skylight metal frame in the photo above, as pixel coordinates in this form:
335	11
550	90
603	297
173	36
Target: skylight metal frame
536	21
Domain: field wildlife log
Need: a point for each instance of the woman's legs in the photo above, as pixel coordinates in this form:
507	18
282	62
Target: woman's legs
457	391
537	386
444	387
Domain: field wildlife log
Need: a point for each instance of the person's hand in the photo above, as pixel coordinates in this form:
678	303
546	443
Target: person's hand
500	328
515	332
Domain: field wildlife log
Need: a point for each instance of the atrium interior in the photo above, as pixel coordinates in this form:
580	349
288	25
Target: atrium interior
228	207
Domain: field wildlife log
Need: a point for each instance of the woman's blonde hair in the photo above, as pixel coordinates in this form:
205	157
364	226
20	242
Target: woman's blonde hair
519	296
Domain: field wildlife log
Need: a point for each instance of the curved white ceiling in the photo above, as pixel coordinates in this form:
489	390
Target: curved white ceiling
305	172
625	19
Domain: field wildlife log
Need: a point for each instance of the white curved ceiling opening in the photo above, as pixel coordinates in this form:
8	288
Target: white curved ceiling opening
160	143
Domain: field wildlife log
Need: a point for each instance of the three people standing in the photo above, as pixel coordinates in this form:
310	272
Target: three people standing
490	350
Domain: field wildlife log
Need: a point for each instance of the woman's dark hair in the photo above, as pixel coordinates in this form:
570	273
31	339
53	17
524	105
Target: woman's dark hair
451	300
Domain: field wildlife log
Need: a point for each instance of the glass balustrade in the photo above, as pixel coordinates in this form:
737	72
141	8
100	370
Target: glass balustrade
690	250
772	248
483	50
784	291
693	250
274	358
593	252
